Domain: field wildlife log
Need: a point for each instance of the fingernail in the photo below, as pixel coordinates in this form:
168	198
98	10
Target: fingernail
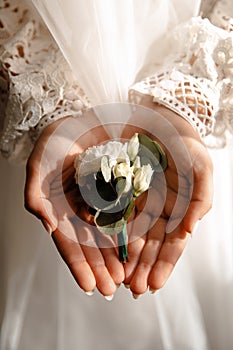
47	227
127	286
136	296
90	293
151	290
195	227
109	297
118	285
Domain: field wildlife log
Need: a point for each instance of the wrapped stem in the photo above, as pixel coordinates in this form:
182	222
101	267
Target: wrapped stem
122	244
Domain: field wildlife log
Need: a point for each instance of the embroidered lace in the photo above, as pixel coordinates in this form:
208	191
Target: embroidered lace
37	86
196	81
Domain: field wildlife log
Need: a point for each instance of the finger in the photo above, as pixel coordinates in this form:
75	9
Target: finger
202	196
109	252
148	209
114	266
139	282
73	256
140	225
95	259
169	254
194	198
178	197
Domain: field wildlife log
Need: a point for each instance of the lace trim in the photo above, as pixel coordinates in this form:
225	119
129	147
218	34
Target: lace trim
35	80
192	98
203	53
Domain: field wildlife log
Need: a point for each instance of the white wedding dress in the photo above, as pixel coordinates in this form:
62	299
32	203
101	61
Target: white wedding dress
41	305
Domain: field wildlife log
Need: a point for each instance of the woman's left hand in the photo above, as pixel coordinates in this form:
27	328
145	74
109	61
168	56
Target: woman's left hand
180	198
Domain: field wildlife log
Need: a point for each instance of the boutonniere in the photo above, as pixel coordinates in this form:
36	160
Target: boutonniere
112	176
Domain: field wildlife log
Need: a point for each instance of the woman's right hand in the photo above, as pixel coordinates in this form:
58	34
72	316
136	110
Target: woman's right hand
52	196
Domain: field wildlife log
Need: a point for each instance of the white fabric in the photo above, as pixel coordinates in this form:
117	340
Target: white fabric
42	307
111	39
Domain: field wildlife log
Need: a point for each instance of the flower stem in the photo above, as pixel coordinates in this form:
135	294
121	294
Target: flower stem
122	244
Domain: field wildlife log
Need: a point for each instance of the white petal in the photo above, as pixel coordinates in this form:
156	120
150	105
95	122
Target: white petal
105	169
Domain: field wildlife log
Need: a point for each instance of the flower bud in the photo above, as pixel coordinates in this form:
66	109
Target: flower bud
122	169
136	164
142	179
133	147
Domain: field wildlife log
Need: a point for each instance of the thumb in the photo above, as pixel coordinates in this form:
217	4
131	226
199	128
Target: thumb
202	198
36	198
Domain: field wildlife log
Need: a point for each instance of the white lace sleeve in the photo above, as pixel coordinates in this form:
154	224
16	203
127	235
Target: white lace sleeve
196	79
36	84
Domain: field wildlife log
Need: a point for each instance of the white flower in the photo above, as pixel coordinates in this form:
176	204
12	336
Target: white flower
136	164
90	161
124	169
142	179
133	147
105	168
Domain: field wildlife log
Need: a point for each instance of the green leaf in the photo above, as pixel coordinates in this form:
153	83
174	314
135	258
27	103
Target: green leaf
148	152
105	189
91	195
146	141
120	183
152	153
103	218
97	193
110	229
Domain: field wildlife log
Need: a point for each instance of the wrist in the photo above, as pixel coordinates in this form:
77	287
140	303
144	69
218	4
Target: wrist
183	127
194	99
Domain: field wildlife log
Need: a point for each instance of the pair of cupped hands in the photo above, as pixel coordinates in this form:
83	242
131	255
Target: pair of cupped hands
158	232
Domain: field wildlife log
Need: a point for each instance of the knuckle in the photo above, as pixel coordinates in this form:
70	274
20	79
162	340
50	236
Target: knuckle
73	262
145	265
98	265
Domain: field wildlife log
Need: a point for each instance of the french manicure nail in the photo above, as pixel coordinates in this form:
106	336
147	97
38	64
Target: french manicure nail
151	290
127	286
195	227
90	293
109	297
47	227
136	296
